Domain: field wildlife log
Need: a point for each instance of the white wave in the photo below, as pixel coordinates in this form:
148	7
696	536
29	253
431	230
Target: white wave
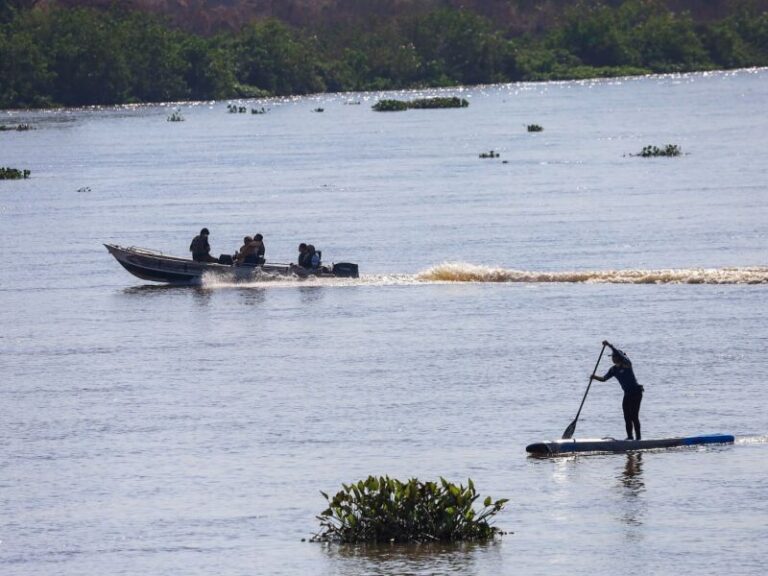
463	272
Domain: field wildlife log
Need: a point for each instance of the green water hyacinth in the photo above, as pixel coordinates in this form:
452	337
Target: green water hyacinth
386	510
13	174
653	151
391	105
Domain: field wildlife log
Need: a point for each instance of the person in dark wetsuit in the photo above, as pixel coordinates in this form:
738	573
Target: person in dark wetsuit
633	392
201	249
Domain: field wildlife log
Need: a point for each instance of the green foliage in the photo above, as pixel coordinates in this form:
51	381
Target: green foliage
16	128
391	105
13	173
80	56
653	151
383	509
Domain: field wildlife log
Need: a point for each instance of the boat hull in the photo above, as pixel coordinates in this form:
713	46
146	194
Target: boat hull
573	445
157	267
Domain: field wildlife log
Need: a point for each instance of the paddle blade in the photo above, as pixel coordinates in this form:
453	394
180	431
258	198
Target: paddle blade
568	434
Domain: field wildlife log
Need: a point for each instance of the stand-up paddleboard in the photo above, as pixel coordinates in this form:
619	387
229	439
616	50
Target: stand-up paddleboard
573	445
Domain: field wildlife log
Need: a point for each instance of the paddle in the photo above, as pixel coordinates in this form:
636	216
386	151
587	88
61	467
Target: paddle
572	426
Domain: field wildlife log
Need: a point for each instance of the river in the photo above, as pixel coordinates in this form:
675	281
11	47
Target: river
189	430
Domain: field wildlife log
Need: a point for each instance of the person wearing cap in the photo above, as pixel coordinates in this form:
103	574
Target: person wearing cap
633	392
200	248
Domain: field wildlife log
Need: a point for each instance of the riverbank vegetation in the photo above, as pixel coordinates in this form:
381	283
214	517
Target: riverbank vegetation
84	56
386	510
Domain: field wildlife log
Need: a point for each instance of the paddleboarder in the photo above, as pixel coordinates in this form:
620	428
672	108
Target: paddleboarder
633	392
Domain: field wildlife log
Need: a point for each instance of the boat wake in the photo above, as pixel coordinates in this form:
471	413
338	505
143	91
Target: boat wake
462	272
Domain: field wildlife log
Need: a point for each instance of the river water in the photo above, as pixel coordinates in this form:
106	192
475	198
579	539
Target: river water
189	430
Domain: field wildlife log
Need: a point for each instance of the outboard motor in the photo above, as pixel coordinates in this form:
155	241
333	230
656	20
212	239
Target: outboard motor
345	270
226	259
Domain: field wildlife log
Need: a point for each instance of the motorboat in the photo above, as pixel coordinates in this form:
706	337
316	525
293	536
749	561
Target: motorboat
158	267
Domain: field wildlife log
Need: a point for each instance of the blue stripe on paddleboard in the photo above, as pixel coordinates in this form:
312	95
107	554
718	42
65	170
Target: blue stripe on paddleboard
708	439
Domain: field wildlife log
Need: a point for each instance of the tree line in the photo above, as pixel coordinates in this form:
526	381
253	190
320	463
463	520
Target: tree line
82	56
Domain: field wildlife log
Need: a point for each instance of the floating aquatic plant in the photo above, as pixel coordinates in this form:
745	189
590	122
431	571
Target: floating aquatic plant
652	151
176	117
261	110
391	105
13	173
535	128
383	509
491	154
17	128
235	109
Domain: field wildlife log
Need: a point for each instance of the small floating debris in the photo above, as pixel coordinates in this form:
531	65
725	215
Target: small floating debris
84	189
654	151
16	128
176	117
391	105
13	174
535	128
319	110
491	154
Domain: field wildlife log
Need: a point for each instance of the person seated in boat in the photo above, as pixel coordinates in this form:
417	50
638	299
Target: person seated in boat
200	248
258	249
313	258
244	250
304	260
633	392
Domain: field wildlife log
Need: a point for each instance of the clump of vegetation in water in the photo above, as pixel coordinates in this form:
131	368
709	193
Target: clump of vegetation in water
653	151
383	509
261	110
535	128
17	128
235	109
491	154
13	173
176	117
439	102
391	105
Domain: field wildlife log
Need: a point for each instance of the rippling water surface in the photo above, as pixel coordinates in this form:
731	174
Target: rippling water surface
188	430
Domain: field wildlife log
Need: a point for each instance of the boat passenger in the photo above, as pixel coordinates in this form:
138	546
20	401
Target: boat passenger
244	250
304	256
633	392
200	248
258	249
314	257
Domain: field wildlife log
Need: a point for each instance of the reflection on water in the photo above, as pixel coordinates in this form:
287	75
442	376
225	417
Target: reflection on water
410	559
633	486
311	294
253	297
